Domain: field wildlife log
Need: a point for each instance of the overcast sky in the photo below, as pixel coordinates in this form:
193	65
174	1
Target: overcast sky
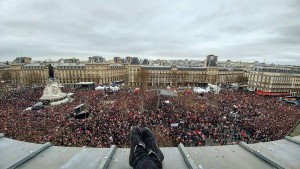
238	30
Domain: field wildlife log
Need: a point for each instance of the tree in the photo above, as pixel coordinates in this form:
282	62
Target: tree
163	137
5	79
142	78
31	78
241	79
6	75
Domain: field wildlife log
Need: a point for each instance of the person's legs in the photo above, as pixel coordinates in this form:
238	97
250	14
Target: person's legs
152	148
155	158
142	160
138	157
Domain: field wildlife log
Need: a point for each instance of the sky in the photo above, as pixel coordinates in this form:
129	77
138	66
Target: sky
256	30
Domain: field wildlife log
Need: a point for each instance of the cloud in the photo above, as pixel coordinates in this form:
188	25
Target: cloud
153	29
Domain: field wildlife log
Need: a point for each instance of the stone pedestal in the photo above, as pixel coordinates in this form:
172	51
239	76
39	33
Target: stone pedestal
52	92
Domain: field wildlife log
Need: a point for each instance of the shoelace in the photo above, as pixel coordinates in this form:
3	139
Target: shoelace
150	151
140	144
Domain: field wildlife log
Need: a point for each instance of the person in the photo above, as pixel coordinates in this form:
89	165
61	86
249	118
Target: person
144	152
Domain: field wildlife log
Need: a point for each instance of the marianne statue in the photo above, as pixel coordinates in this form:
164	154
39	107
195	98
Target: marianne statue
51	72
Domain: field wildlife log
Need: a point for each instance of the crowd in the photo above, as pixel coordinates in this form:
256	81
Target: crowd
191	119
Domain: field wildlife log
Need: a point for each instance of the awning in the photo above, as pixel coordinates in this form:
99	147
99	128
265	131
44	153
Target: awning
259	92
168	93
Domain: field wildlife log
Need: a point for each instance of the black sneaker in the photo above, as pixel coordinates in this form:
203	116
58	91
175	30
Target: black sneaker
135	140
151	144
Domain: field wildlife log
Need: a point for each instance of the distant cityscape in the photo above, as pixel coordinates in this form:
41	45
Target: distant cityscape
134	72
161	62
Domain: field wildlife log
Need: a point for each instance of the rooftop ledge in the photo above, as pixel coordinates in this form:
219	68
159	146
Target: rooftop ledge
283	153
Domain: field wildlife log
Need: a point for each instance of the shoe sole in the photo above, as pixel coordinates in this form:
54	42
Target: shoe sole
132	147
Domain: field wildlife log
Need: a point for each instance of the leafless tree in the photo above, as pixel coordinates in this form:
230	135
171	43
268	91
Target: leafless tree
241	79
32	77
142	77
6	75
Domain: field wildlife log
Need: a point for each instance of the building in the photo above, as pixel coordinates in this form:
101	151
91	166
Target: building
128	59
145	62
4	66
28	74
96	59
272	81
180	75
5	77
68	73
211	61
134	74
100	73
118	60
72	60
21	60
135	61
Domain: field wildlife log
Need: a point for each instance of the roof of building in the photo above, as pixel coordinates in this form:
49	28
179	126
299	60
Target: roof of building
145	62
277	70
192	68
165	92
84	83
69	65
35	64
188	68
230	69
135	61
156	67
3	65
115	64
283	153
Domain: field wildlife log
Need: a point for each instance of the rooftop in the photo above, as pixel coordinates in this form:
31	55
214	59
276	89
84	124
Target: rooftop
283	153
277	70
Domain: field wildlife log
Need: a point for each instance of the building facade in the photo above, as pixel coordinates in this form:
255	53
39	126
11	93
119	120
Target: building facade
24	60
275	80
28	74
162	76
68	73
211	60
135	74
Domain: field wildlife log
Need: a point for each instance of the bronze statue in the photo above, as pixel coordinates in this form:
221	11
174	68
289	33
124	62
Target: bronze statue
51	72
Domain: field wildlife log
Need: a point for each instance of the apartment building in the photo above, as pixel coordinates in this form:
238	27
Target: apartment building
101	72
275	80
68	73
180	75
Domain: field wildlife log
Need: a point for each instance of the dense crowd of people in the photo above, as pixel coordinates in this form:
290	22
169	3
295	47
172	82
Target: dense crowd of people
191	119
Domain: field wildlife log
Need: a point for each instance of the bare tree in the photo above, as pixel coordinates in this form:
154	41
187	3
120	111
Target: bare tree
6	75
142	78
163	137
241	79
4	81
31	78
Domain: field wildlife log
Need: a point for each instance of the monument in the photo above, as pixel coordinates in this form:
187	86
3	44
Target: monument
52	93
50	71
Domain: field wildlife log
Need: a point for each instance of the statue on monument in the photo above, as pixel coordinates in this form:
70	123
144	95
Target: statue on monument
51	72
52	93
